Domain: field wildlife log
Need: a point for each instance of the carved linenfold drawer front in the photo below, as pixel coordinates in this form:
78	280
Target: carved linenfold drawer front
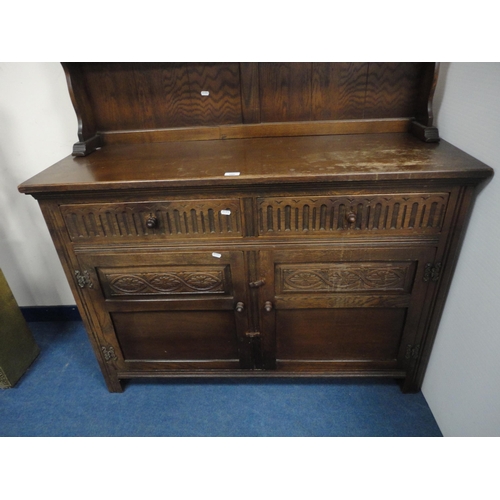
181	280
330	215
153	220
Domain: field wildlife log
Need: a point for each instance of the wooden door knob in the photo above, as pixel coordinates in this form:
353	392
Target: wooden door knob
351	218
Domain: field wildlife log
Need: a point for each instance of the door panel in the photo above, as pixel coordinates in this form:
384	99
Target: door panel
326	334
183	309
177	335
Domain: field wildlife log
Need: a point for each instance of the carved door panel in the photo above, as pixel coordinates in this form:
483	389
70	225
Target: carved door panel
350	309
172	311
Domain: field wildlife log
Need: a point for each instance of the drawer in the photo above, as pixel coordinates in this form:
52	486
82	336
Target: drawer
177	219
404	213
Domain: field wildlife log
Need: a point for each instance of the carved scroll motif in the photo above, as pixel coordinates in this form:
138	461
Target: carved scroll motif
344	278
167	282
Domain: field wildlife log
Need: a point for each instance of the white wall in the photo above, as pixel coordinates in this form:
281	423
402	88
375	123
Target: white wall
462	383
38	127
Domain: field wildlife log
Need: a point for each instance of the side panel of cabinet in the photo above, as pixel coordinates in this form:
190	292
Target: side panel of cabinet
342	310
170	311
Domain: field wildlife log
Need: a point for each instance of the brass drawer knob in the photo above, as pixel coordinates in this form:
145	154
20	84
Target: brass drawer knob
152	222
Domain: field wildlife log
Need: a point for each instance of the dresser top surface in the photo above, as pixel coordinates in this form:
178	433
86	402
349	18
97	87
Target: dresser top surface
277	160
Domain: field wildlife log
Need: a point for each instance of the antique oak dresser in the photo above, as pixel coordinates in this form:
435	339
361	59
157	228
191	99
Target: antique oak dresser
258	219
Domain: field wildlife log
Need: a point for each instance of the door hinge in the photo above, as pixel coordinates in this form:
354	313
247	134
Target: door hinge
83	279
109	353
412	352
432	272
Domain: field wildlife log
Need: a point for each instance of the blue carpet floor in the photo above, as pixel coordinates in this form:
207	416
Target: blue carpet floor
63	394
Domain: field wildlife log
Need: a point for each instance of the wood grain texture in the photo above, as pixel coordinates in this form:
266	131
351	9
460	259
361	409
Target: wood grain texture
341	301
177	335
339	90
128	96
267	161
223	104
285	91
249	130
392	89
339	334
250	98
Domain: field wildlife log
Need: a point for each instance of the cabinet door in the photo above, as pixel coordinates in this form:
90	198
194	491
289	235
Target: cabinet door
352	310
170	311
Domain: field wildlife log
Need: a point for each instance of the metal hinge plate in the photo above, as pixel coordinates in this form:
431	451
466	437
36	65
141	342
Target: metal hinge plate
412	352
432	272
109	353
83	279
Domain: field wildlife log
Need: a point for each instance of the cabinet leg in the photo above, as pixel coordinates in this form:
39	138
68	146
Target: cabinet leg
113	383
409	386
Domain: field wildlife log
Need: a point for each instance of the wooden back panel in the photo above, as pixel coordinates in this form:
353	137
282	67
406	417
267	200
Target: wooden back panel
338	91
155	102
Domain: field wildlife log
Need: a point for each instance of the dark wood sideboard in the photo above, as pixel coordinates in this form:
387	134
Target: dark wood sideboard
258	219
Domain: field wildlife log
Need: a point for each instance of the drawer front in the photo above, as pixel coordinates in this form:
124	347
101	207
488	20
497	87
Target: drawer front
406	213
179	219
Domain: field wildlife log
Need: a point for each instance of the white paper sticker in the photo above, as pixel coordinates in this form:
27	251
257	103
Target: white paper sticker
217	255
231	174
205	92
225	212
